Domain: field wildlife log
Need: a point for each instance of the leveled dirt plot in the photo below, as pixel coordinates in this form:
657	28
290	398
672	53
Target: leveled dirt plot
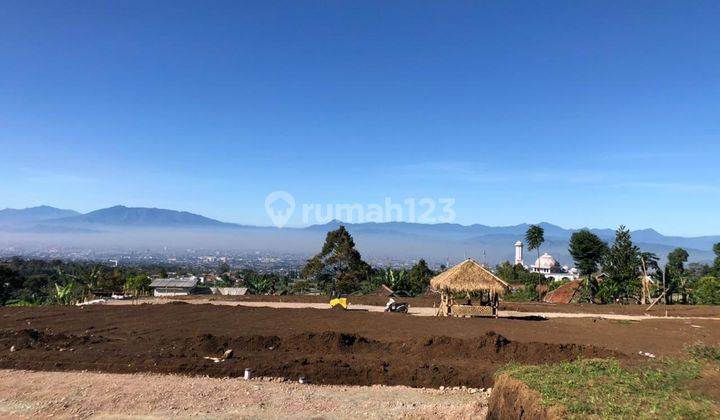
429	301
327	347
76	394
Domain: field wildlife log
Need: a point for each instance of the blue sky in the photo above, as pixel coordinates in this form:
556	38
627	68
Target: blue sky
579	113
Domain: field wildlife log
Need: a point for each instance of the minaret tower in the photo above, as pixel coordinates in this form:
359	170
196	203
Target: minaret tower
518	253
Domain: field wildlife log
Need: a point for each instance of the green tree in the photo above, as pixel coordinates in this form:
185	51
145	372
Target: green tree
716	265
418	278
301	286
588	251
137	283
517	274
224	267
259	284
676	278
535	236
64	294
531	282
507	272
707	291
338	267
622	266
10	283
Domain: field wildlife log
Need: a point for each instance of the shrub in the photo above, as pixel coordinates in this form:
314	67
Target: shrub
707	291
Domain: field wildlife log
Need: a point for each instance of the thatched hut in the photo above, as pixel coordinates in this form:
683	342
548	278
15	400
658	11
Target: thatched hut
466	278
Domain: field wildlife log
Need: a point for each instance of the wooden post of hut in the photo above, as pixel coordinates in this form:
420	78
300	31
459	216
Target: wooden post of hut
466	278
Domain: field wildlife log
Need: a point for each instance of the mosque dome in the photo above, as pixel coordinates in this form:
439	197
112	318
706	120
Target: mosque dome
546	261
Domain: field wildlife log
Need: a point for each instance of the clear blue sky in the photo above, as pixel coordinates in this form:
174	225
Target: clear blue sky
579	113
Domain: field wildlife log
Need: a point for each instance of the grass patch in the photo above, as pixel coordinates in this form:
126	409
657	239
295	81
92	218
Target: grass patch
624	321
702	351
602	388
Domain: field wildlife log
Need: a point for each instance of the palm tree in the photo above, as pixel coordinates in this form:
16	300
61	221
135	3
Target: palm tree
535	236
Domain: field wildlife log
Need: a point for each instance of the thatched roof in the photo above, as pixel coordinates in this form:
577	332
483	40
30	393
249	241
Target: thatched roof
468	276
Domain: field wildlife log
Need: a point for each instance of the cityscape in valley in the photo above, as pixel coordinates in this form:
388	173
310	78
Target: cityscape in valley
125	235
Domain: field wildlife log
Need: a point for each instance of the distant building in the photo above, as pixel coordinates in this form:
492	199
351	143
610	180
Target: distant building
545	265
519	253
181	286
229	291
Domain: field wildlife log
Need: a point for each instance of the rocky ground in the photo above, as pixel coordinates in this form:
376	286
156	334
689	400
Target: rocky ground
25	394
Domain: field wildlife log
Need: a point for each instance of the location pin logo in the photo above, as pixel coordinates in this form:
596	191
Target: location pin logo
280	206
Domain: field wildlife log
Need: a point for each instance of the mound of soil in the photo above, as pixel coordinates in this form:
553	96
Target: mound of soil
356	348
512	399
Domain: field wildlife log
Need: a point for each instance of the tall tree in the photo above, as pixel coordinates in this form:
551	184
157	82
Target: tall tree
716	265
535	236
418	278
622	267
675	274
588	250
339	266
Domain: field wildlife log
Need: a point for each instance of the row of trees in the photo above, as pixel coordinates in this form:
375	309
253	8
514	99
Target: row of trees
623	265
37	282
614	272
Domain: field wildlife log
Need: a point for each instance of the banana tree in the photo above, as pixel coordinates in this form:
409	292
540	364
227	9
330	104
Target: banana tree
64	294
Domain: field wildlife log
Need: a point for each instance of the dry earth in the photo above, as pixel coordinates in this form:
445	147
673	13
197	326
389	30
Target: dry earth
425	306
25	394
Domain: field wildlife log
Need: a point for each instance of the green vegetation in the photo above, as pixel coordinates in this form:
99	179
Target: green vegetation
517	274
706	291
702	351
137	284
339	269
677	280
623	268
588	251
535	236
605	389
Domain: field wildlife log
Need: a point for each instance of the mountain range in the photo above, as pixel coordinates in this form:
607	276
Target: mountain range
390	239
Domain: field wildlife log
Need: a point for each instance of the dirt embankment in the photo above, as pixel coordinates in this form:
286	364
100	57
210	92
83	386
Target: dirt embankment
512	399
328	347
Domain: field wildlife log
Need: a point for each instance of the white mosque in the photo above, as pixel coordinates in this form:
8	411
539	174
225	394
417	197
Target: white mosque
546	265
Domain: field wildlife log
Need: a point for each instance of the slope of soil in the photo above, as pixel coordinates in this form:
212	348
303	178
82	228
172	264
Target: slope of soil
327	347
512	399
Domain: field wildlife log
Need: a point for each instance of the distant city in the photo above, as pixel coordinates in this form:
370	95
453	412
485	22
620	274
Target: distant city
134	236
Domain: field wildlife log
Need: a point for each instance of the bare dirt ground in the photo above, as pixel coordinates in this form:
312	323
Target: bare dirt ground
328	347
25	394
509	310
529	307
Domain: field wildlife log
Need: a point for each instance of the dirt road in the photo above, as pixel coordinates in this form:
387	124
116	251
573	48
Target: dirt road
26	394
548	312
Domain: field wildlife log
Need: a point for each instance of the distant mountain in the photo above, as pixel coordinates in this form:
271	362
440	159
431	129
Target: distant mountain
496	242
439	242
139	217
13	217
